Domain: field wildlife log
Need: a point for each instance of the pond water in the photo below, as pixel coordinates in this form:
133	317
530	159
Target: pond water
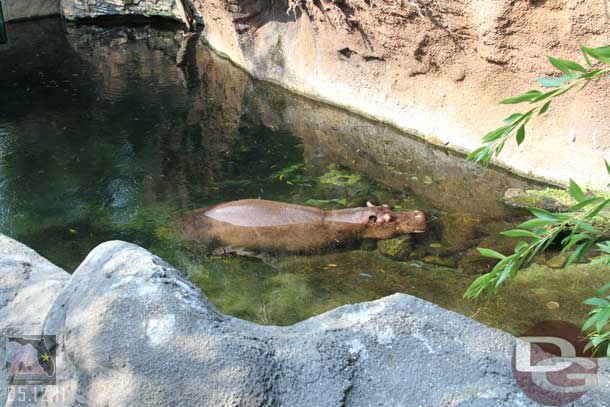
103	135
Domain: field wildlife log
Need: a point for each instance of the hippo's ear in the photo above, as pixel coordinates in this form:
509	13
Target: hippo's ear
369	204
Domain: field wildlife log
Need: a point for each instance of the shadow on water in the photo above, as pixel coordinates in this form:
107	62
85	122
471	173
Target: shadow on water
110	132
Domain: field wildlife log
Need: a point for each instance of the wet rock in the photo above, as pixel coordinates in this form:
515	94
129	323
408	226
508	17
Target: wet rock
440	261
552	305
460	228
556	262
128	323
550	199
397	248
472	262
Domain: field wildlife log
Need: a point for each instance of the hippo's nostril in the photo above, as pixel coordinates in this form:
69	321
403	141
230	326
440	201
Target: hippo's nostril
373	218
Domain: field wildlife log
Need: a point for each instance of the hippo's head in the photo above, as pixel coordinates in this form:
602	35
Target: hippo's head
388	224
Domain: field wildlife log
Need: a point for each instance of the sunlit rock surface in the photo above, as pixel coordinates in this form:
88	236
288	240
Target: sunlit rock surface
29	284
74	9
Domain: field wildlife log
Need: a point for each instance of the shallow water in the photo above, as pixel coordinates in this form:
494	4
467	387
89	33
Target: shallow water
103	137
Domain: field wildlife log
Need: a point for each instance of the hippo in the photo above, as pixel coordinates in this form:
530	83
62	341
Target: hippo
256	225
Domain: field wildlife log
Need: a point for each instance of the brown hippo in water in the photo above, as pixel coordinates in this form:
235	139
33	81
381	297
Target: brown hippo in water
259	225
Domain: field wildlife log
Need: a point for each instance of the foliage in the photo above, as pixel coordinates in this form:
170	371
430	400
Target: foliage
575	228
573	76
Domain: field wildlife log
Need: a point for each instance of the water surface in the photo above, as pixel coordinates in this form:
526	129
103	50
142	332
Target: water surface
103	136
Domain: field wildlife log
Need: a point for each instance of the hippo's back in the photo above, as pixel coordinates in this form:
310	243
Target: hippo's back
261	213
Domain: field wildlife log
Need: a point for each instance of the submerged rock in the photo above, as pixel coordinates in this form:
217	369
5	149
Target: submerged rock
550	199
397	248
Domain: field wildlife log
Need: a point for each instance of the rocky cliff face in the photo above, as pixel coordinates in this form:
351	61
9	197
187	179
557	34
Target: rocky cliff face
433	68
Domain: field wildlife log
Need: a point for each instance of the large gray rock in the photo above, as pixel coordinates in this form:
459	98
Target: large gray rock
29	284
132	331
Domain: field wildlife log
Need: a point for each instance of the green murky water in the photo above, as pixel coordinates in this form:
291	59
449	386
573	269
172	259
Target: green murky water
103	136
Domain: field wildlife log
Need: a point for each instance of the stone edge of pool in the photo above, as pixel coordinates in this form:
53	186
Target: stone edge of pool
132	329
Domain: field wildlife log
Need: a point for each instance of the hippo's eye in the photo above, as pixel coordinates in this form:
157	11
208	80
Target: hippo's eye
373	218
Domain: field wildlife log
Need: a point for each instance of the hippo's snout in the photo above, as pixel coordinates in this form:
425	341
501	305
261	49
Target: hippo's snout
411	222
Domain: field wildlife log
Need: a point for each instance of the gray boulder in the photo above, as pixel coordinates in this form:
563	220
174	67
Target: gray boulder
133	331
29	284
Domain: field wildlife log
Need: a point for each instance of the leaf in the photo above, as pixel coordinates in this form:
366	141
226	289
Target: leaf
519	233
526	97
535	223
602	319
578	253
597	209
496	134
542	214
544	108
546	82
603	289
592	73
547	95
515	116
576	192
596	302
521	246
584	204
589	323
521	135
607	166
584	53
602	54
491	253
474	155
566	66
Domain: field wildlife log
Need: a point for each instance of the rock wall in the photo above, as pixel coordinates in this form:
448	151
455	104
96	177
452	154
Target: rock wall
433	68
24	9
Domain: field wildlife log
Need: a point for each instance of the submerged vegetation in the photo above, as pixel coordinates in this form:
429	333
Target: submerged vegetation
576	229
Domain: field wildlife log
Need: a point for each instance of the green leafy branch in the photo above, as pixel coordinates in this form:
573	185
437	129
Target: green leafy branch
599	318
545	228
573	76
